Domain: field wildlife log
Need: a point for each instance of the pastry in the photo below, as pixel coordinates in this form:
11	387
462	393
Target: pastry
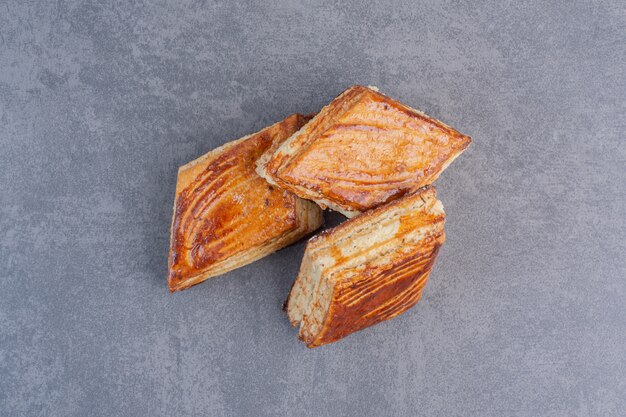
362	150
368	269
226	216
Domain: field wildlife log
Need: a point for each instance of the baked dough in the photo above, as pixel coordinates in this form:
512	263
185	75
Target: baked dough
226	216
362	150
368	269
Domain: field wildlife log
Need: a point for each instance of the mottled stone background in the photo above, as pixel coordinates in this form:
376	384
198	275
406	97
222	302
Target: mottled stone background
100	102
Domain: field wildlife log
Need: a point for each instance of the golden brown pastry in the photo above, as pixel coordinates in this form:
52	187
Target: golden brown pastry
368	269
362	150
226	216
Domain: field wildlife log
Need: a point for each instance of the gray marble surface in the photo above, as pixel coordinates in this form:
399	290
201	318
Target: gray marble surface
100	102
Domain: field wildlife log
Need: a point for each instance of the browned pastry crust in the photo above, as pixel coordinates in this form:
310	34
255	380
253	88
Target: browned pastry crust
362	150
368	269
226	216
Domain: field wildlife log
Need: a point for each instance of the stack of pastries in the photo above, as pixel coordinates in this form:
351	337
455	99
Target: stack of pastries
364	155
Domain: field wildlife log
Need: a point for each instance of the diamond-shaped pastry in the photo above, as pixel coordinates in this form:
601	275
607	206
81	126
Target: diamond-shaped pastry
362	150
368	269
226	216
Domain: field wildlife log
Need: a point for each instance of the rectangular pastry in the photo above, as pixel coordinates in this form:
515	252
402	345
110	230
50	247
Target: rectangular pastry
226	216
362	150
368	269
